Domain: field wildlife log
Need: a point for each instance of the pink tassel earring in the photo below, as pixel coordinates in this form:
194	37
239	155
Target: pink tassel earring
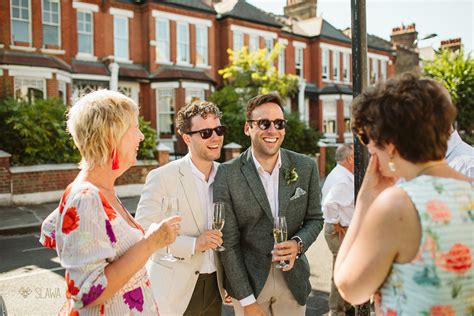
115	160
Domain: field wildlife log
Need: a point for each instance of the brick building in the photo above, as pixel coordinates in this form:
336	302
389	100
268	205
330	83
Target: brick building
165	53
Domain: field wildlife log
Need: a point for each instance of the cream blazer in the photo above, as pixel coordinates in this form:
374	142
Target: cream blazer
173	282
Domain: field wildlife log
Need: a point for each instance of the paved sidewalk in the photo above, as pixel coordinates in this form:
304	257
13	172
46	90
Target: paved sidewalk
17	220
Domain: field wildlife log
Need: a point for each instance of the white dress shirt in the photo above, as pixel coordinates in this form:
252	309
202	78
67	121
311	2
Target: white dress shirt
460	155
270	184
204	190
338	196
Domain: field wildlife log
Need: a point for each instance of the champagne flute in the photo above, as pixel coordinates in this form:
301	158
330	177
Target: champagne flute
218	219
280	234
169	207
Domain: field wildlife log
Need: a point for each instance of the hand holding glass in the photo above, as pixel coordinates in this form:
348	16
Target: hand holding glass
169	207
218	219
280	234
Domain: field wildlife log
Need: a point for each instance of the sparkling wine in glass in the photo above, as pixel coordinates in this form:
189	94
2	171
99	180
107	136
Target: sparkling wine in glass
218	219
169	207
280	234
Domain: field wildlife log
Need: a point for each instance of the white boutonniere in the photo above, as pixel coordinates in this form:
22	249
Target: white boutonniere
291	175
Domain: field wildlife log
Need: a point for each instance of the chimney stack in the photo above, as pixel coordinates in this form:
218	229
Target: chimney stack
300	9
453	44
404	35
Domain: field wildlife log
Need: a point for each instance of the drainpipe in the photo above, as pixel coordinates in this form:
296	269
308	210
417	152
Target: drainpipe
114	71
301	107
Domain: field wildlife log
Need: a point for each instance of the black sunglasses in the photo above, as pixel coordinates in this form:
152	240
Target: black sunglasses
362	137
265	124
207	132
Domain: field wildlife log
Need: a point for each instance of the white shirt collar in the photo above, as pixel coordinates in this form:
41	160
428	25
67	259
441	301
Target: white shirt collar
259	166
453	140
201	176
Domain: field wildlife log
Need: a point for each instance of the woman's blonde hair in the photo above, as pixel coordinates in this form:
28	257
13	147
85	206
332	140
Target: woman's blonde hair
97	123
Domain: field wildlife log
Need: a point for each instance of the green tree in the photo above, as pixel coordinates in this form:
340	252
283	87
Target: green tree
148	145
455	70
35	133
248	75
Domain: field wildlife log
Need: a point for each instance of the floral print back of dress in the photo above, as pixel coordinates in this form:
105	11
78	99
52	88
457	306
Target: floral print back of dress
440	280
87	234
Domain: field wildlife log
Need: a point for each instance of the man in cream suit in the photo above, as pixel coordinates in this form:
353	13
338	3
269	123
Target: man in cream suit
193	284
264	182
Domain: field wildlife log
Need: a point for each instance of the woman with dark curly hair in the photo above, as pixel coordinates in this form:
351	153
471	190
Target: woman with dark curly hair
412	241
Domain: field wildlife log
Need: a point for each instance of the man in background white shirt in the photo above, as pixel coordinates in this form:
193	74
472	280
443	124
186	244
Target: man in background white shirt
460	155
193	284
338	208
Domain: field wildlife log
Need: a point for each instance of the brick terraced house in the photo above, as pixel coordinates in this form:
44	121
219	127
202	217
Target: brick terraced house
163	53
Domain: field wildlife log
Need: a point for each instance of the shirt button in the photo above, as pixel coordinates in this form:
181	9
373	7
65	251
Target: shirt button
196	272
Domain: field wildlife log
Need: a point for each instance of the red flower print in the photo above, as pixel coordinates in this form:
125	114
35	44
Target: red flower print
62	203
70	221
457	259
71	289
102	309
439	211
111	214
49	242
73	312
442	310
390	312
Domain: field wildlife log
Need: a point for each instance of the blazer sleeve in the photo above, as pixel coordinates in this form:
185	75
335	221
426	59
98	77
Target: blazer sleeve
232	260
313	220
149	211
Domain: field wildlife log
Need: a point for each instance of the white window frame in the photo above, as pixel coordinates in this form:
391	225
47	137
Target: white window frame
329	102
325	64
253	43
336	64
121	37
237	41
194	92
164	41
172	91
203	46
299	61
20	81
62	86
130	89
21	20
185	43
375	69
91	34
346	69
282	60
383	67
268	43
58	25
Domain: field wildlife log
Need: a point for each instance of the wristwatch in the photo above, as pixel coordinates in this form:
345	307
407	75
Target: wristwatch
299	244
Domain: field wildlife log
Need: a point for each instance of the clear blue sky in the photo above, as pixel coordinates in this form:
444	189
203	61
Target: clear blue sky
447	18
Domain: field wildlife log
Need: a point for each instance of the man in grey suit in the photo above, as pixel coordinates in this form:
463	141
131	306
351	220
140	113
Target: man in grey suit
264	182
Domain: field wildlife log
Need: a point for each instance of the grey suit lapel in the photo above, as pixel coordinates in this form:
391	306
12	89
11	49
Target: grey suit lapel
187	181
253	179
285	190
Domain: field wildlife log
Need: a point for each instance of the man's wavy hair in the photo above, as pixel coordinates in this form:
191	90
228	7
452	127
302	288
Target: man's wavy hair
413	113
192	109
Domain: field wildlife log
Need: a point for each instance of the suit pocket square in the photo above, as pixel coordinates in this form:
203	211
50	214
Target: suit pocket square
299	192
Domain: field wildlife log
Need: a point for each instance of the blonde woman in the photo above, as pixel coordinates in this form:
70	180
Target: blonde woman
101	246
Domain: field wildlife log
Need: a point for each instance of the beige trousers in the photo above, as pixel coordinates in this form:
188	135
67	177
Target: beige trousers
276	298
337	305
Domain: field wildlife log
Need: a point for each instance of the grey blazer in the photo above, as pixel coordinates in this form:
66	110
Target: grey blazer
248	237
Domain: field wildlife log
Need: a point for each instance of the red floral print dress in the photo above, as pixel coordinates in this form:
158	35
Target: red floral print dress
88	234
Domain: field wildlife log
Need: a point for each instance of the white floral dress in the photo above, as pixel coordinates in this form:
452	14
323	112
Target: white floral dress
88	234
